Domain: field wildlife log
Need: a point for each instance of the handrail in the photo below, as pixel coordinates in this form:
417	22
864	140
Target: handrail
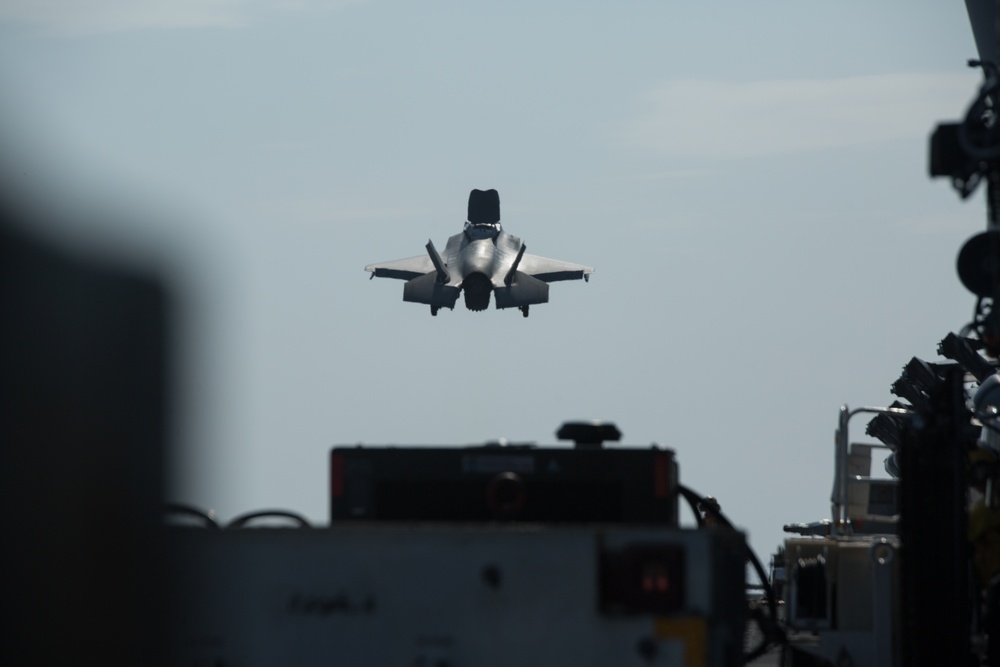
842	442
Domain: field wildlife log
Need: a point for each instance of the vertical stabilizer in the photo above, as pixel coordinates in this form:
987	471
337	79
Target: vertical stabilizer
443	276
484	207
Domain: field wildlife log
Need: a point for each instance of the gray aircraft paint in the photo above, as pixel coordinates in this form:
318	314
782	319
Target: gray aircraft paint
482	260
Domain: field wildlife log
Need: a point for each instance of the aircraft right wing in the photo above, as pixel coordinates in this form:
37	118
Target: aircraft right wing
402	269
551	270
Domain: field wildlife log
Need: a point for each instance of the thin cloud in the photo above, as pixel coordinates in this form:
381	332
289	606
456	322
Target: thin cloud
311	211
90	16
669	174
718	120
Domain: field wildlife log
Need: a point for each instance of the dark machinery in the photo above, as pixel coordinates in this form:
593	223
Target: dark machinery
584	484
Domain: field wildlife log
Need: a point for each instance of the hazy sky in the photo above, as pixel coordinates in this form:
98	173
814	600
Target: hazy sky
749	180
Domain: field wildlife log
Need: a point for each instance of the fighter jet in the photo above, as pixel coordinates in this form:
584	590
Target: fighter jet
482	260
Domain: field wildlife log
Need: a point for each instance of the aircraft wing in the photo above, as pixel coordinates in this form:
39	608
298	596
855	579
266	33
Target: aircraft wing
551	270
403	269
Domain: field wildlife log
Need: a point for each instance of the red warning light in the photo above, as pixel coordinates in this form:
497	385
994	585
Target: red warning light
642	579
655	578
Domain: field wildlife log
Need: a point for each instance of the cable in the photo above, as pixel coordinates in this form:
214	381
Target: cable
693	500
771	631
242	520
207	518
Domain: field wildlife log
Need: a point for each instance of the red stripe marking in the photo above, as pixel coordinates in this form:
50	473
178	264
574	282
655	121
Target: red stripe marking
661	476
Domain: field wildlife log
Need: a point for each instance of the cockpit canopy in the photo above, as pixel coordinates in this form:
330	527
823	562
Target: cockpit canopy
477	232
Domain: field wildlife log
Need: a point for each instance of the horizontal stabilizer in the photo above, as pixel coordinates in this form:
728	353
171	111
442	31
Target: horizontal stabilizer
551	270
402	269
400	274
427	289
522	291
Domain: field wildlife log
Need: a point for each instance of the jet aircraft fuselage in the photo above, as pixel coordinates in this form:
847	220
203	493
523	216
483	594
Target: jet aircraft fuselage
482	260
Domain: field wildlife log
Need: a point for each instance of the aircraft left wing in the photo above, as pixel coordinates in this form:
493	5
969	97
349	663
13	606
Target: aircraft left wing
403	269
551	270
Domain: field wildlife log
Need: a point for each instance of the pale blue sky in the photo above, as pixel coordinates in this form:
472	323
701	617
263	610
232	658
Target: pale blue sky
748	179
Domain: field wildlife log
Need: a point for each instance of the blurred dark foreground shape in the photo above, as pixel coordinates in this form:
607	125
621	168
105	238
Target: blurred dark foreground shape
83	427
